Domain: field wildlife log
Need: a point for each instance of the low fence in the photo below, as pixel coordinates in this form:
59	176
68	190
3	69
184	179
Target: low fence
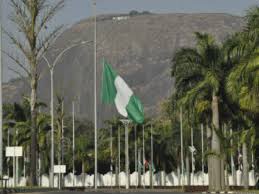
159	179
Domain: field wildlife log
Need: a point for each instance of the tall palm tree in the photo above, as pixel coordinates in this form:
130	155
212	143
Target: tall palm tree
243	82
200	72
31	18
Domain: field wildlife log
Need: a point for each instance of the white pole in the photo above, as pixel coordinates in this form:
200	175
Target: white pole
111	156
95	100
73	109
181	126
52	128
16	161
126	124
62	138
8	143
152	151
119	150
14	176
232	160
143	139
192	157
127	154
136	163
202	153
39	160
1	102
24	160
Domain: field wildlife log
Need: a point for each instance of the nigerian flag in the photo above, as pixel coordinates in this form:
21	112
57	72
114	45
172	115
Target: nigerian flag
115	90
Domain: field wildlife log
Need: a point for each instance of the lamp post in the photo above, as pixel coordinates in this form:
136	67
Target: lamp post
51	68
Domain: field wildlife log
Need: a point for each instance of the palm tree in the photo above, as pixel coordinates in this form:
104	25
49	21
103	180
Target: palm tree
200	72
31	19
242	83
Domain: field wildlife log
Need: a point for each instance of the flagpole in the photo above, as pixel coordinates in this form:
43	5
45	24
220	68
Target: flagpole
119	155
95	103
73	117
111	155
126	124
181	128
151	156
192	156
1	103
136	163
202	153
143	138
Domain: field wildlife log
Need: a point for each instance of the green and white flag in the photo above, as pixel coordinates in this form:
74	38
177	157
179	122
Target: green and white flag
115	90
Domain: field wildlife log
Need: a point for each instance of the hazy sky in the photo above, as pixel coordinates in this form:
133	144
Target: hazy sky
79	9
75	10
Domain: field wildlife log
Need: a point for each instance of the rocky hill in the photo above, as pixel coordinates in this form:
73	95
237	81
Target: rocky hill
139	47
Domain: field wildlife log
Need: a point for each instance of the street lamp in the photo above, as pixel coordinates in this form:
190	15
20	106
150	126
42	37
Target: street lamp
51	68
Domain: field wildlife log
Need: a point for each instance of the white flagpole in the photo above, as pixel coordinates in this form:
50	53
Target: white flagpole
192	156
119	151
95	100
143	139
232	161
152	152
136	163
73	115
1	103
111	156
181	126
202	153
126	124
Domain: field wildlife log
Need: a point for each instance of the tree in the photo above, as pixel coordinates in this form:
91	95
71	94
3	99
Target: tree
31	18
242	83
200	72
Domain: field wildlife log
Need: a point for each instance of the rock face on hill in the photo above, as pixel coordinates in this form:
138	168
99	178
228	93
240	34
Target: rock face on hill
140	48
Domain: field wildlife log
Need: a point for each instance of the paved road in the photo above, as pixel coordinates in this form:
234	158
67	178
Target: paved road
113	192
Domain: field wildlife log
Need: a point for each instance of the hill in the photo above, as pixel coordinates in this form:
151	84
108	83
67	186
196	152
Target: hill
139	47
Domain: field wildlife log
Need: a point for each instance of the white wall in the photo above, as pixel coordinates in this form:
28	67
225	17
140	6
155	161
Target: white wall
159	179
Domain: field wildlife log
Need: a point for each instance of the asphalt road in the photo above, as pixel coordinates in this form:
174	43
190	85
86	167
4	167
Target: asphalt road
112	192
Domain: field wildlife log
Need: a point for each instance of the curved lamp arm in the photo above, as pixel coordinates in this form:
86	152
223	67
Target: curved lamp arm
68	48
47	61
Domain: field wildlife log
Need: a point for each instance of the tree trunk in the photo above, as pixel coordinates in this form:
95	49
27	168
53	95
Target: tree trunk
245	166
187	162
217	184
33	175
